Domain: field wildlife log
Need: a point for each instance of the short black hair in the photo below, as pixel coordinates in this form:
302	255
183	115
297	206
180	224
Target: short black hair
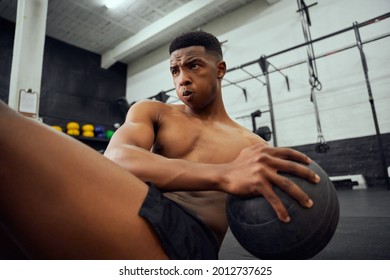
197	38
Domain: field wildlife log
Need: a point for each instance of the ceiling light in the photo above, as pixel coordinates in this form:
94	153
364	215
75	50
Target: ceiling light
113	3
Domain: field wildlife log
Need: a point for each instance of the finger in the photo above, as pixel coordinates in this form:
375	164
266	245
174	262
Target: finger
293	190
294	168
287	153
277	205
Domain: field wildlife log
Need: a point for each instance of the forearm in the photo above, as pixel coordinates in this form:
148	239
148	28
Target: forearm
167	174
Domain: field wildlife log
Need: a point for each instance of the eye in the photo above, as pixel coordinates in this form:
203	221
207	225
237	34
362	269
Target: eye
174	72
194	65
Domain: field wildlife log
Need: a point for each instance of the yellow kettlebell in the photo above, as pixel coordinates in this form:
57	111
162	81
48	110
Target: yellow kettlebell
74	132
57	127
72	125
88	134
87	127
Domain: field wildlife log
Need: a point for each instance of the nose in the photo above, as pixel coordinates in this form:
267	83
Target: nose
184	78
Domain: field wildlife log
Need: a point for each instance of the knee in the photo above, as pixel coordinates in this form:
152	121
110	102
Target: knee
2	105
4	108
5	113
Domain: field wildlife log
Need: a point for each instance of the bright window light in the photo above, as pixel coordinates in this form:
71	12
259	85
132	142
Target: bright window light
113	3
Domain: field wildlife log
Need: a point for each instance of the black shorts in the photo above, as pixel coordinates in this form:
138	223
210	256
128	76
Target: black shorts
183	236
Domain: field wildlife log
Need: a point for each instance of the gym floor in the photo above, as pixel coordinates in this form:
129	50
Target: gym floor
363	232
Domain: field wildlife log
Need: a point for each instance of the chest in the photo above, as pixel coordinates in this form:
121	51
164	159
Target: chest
199	142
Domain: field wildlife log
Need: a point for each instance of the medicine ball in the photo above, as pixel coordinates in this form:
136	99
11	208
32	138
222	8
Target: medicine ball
99	129
256	227
109	133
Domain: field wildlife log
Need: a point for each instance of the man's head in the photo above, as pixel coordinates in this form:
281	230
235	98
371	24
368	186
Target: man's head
197	38
197	69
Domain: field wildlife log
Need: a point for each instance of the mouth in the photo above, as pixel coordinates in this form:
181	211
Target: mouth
186	93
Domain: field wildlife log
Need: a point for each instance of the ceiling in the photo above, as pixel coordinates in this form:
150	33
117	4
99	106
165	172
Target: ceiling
129	31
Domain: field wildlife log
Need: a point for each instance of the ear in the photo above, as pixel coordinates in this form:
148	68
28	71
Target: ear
221	69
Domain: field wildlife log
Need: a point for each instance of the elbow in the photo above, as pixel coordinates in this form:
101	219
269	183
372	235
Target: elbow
125	156
118	154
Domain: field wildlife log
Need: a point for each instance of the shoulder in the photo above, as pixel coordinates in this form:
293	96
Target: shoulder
146	108
147	105
152	110
153	105
251	137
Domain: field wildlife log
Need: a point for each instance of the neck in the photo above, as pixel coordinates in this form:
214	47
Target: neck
214	111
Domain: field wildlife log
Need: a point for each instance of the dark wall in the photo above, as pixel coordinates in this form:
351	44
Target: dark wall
354	156
74	86
7	30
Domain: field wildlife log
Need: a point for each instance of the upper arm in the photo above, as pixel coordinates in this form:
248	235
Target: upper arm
138	128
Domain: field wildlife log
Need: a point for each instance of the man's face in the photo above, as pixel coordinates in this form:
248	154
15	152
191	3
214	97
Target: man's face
196	76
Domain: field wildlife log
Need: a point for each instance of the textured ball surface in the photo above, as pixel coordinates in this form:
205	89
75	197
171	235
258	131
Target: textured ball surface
255	225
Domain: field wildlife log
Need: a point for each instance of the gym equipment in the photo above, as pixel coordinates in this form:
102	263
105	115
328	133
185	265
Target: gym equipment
100	135
256	227
57	127
109	133
117	125
99	131
87	127
72	125
254	115
74	132
322	146
372	103
88	133
263	63
73	128
264	132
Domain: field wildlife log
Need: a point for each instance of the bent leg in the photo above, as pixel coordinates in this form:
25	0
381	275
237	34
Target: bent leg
62	200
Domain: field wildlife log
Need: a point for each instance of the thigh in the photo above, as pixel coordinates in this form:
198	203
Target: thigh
62	200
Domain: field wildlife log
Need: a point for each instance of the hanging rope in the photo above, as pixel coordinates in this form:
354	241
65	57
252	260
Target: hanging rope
322	146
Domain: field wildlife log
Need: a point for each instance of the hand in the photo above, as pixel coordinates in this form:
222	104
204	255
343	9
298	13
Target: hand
256	170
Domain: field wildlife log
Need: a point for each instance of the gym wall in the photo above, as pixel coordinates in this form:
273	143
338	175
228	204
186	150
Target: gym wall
7	30
74	86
